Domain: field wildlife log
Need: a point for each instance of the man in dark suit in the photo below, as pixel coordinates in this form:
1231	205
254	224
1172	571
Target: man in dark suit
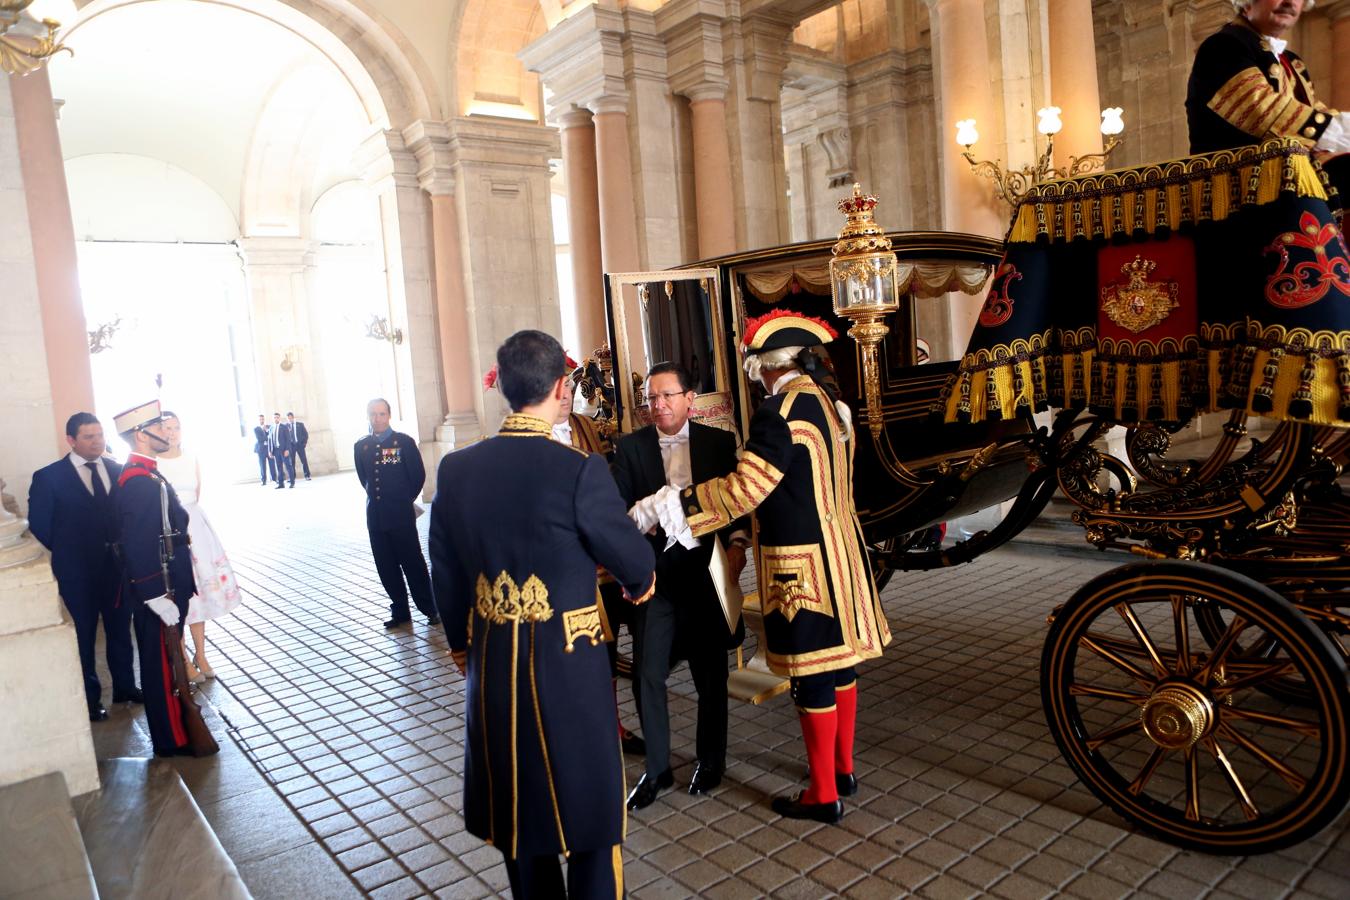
685	612
260	441
143	503
389	467
518	527
70	510
300	434
282	447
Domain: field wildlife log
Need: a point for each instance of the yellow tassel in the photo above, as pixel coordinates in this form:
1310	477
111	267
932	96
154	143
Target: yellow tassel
1219	197
1272	171
1087	357
1171	389
1003	394
1024	228
1306	182
1213	366
1173	206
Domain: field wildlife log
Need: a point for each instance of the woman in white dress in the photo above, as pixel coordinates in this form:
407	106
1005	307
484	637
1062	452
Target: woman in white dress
217	589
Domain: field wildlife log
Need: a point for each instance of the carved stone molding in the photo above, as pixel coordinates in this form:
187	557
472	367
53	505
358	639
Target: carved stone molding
838	146
429	142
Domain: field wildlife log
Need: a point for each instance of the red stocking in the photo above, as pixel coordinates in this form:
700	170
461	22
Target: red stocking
846	708
818	729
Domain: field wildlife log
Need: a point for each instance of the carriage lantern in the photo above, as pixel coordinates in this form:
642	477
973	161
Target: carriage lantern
864	283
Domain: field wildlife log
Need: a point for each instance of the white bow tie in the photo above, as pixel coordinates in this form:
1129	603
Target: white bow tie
672	440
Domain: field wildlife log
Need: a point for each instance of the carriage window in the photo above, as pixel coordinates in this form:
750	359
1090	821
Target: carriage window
677	325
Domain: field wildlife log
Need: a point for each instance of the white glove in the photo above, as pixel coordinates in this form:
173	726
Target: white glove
1336	136
165	608
643	514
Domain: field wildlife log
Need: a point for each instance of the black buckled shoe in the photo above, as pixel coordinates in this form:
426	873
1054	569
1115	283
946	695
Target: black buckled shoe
794	808
396	622
132	696
645	791
433	619
705	779
846	784
632	744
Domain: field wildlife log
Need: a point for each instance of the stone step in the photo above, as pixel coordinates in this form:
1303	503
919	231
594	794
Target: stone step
41	852
147	838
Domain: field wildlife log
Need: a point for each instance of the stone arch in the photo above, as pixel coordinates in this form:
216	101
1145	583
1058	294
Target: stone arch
487	76
388	75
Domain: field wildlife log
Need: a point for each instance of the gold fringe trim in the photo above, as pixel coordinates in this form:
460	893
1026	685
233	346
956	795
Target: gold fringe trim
1166	196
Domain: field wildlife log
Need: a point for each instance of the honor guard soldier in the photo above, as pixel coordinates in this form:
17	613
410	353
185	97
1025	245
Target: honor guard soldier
821	612
518	526
144	503
389	466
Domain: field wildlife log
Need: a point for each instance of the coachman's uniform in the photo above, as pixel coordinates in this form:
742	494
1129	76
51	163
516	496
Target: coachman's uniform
389	466
518	526
140	519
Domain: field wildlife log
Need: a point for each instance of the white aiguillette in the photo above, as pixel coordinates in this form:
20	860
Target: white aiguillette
728	587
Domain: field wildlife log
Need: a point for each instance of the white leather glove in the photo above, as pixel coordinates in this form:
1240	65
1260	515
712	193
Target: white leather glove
643	514
165	608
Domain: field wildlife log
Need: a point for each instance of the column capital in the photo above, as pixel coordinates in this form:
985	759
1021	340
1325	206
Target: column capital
277	253
576	117
503	143
384	156
609	103
429	142
766	37
692	33
581	60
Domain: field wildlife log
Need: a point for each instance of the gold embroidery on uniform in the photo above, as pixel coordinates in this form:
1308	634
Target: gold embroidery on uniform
518	425
584	622
482	719
501	601
543	745
793	580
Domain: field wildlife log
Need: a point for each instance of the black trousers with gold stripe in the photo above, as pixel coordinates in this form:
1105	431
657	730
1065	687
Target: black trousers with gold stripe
591	875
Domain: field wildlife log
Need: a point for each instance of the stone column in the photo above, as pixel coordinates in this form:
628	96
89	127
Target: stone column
715	209
962	69
430	143
614	169
583	225
756	58
1073	79
41	683
1339	88
64	334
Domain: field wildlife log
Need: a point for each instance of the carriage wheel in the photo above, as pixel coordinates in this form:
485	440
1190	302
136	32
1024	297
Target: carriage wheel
1213	623
1177	737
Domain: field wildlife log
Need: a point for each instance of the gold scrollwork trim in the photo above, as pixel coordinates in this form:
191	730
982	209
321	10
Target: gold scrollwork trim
501	601
585	622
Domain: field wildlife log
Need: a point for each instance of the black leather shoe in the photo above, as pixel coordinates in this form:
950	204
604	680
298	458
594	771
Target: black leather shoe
794	808
846	784
632	744
645	791
132	696
705	779
433	619
97	713
280	486
395	623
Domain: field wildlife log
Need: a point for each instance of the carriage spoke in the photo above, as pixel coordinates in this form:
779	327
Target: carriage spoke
1290	777
1141	635
1222	648
1119	661
1113	734
1181	628
1192	785
1249	809
1150	766
1253	677
1298	726
1089	690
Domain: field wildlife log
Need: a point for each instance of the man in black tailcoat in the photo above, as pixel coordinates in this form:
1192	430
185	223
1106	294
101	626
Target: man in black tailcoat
685	613
389	467
70	510
300	434
142	502
519	524
260	447
283	451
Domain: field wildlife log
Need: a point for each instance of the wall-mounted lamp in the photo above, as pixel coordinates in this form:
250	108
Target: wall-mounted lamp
378	328
290	356
1012	185
21	54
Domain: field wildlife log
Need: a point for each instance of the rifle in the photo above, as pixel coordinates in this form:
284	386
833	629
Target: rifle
200	741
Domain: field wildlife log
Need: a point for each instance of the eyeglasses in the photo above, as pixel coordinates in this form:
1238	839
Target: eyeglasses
667	396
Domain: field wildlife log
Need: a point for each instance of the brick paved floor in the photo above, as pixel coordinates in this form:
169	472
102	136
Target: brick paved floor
964	792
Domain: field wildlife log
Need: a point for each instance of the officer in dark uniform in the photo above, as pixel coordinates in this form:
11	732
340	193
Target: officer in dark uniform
518	527
389	466
260	438
142	501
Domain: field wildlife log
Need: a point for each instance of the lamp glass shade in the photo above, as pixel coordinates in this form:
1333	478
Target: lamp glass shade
866	283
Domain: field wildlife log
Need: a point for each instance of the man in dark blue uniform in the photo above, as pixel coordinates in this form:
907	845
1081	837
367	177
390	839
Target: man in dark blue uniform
260	441
70	511
283	447
142	502
389	466
300	436
518	527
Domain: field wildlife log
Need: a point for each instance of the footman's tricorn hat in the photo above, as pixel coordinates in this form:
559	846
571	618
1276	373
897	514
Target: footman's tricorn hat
137	417
785	328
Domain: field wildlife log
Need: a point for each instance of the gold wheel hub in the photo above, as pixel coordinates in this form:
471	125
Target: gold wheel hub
1176	716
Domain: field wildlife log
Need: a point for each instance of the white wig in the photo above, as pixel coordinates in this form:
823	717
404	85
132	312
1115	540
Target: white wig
756	364
1243	5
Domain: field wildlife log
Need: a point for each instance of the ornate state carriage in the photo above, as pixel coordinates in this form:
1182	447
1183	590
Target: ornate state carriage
1201	692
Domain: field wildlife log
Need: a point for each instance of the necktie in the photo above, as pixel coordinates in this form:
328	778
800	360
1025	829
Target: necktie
100	492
